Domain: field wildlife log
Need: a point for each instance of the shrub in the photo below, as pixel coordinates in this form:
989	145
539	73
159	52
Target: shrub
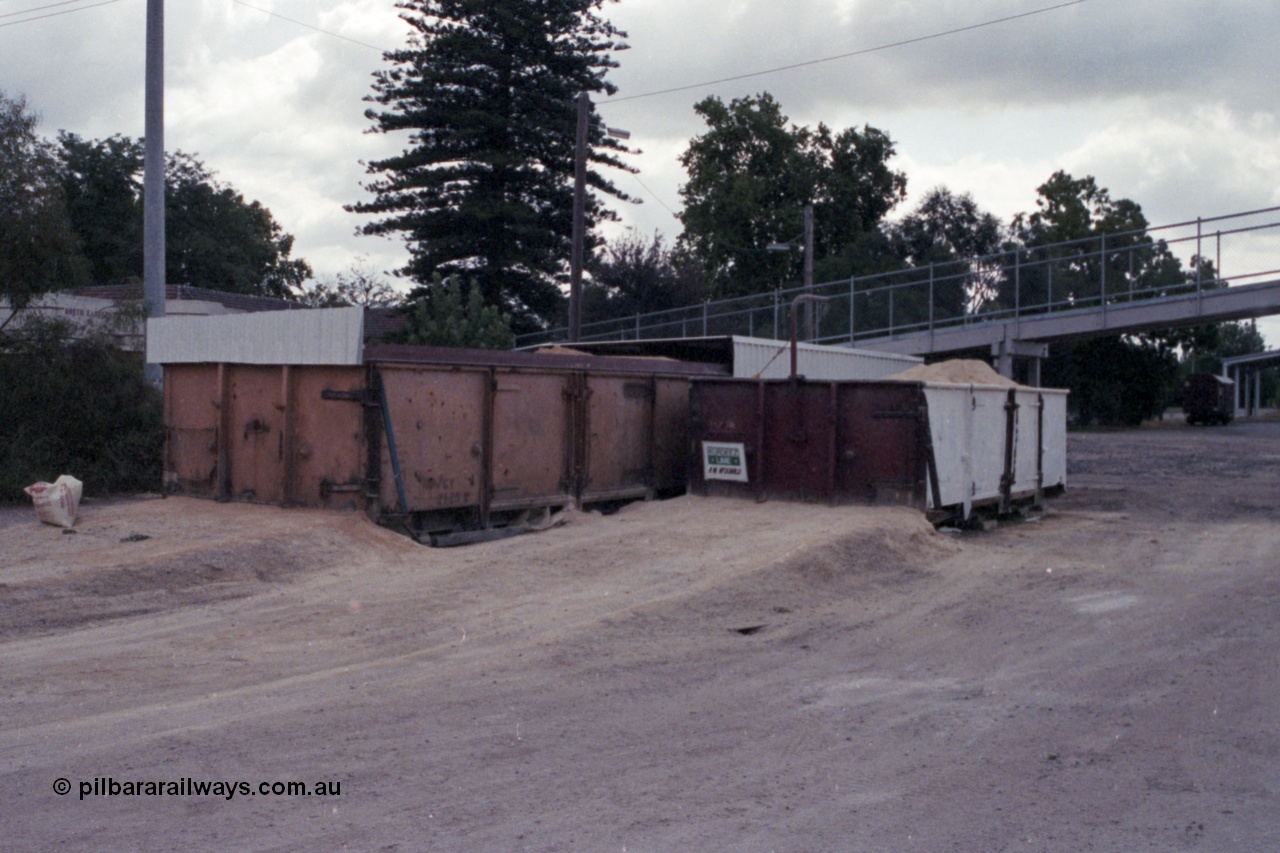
72	403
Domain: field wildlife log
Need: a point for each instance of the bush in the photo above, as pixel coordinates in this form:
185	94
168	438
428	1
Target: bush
75	404
451	314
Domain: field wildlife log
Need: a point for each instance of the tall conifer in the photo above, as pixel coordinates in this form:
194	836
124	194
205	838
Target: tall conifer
486	90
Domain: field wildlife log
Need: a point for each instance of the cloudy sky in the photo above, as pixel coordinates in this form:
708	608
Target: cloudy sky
1171	103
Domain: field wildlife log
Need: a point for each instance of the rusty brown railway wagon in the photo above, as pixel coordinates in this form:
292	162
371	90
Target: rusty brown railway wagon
943	448
830	442
431	439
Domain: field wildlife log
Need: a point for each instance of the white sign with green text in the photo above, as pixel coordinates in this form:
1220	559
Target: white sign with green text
724	460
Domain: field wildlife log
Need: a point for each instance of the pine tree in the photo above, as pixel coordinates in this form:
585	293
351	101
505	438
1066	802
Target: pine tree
453	315
486	89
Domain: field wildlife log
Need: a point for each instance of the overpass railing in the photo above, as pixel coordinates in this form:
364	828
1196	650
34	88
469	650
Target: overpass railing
1168	262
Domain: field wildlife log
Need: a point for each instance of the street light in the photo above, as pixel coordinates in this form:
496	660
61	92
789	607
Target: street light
153	278
808	268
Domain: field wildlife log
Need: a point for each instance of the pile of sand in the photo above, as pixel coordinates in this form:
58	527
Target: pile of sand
559	349
958	371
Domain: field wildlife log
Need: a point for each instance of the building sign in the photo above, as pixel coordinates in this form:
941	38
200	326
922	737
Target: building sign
723	460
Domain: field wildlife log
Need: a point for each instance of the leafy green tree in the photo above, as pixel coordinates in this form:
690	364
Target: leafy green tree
450	314
360	285
102	180
38	251
1079	247
637	276
752	173
487	92
214	238
944	246
1114	381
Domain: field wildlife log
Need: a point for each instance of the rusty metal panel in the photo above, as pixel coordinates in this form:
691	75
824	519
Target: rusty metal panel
881	444
427	443
730	412
437	418
618	449
191	400
532	440
799	440
836	442
671	435
256	402
324	437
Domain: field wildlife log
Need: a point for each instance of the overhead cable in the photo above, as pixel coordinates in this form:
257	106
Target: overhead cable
56	14
309	26
39	9
862	52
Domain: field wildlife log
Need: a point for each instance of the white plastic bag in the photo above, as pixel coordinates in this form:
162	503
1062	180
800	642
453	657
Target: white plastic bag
56	503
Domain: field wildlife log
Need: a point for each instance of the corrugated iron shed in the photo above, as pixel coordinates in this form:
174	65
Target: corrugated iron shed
764	358
331	336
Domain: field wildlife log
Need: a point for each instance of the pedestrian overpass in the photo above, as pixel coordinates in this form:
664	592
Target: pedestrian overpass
1012	304
1028	335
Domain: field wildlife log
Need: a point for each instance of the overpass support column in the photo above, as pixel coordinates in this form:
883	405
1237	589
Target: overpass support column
1003	353
1033	372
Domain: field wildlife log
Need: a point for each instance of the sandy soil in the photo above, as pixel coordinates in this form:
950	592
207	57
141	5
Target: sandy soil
690	675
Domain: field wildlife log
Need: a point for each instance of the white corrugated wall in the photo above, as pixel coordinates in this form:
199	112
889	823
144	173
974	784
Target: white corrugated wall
763	358
311	336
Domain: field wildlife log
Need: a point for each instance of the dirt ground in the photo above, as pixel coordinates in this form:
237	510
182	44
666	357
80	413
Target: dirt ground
680	676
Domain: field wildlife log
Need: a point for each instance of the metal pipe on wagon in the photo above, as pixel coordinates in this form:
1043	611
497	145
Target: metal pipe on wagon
804	297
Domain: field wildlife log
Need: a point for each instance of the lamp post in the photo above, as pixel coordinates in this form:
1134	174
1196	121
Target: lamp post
153	249
809	307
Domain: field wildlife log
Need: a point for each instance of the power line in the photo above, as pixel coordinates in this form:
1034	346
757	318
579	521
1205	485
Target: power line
862	52
654	195
38	9
55	14
310	27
